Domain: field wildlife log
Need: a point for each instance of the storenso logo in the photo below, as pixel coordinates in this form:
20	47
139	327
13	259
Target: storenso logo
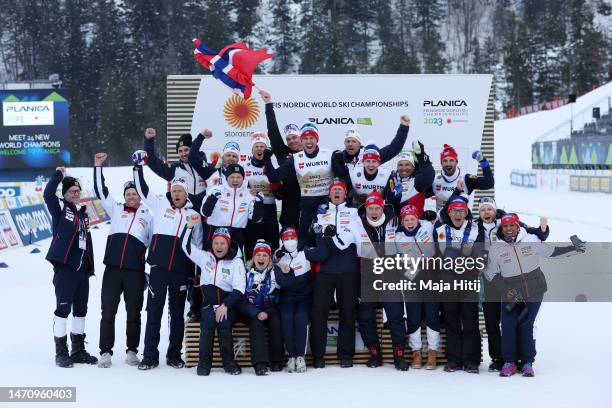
240	113
341	121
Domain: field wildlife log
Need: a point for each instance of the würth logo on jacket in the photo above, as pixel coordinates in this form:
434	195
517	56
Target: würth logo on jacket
317	163
301	165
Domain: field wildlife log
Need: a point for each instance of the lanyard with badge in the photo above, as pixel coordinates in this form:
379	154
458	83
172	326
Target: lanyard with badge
82	233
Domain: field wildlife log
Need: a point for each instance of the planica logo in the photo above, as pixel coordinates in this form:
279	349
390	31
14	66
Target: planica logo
332	121
27	108
445	102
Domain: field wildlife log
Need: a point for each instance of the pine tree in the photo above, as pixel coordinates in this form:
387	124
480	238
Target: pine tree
517	66
395	56
315	38
587	48
285	37
429	13
246	17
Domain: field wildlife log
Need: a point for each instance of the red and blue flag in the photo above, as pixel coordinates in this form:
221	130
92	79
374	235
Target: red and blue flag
233	65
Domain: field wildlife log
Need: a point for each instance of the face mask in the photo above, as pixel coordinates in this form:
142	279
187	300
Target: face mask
290	245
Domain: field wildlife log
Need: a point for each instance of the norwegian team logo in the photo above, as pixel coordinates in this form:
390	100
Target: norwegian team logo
241	113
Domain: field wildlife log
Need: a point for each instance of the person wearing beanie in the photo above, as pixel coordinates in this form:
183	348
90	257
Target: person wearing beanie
338	229
231	205
414	237
222	283
488	223
258	181
195	183
352	154
367	176
260	308
454	235
171	269
444	183
380	224
514	269
71	254
212	173
314	169
283	146
293	275
412	179
127	242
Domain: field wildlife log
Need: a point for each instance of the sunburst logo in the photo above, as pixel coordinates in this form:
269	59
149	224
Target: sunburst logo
241	113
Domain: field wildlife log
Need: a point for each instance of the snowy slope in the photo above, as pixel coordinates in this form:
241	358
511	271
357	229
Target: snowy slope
585	214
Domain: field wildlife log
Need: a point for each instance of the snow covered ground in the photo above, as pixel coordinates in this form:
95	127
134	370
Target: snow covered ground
572	367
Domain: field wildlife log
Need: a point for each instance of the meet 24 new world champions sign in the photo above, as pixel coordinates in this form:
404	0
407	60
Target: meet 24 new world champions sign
34	128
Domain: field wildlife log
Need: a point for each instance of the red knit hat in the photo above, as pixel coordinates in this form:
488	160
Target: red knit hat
371	151
448	151
336	183
510	219
223	233
410	209
309	131
457	203
374	198
289	233
262	246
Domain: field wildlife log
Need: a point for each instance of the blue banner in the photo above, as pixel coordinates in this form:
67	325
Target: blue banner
33	223
34	128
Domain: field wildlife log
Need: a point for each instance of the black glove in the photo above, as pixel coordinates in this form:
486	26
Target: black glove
514	298
316	228
280	252
330	231
579	244
429	215
267	154
209	204
339	158
421	156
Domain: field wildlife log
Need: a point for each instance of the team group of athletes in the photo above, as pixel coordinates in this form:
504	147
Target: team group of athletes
217	214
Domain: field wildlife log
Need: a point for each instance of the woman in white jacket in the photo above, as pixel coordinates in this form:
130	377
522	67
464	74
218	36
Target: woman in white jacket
415	239
222	282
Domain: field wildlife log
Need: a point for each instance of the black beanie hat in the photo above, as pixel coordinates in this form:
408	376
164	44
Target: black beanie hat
69	182
184	140
127	185
233	168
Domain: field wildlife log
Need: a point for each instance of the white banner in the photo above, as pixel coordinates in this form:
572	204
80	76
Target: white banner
443	109
27	113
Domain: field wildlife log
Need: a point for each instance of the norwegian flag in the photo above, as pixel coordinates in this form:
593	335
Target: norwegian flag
233	65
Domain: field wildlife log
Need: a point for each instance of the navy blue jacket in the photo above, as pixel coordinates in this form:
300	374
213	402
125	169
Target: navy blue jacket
289	192
331	259
196	161
293	288
168	171
68	223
